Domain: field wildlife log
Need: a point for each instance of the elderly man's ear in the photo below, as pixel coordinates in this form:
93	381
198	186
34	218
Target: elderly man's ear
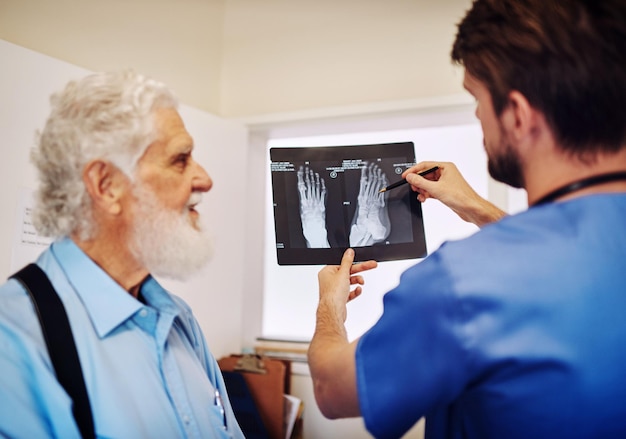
106	184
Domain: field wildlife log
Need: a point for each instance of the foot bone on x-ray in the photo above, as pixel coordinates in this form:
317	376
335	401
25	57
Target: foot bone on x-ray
371	222
312	193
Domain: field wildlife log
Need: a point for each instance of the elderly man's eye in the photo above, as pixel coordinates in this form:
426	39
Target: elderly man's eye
182	160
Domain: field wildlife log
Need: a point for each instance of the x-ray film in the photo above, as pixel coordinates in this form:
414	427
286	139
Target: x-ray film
327	199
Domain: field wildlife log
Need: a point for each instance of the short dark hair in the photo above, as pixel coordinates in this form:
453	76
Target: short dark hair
567	57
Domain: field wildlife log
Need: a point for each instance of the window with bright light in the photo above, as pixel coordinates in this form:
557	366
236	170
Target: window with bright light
290	292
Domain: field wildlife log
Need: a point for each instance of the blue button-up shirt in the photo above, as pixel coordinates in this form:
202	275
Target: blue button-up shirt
147	368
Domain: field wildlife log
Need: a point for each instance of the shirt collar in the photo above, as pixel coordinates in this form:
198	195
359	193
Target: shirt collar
106	302
157	297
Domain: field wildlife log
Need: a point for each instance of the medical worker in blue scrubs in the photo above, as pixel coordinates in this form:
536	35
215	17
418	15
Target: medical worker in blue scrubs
518	331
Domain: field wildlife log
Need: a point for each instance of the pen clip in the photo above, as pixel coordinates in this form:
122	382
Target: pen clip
219	403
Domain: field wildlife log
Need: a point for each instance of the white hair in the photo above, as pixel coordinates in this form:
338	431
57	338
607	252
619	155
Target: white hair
108	116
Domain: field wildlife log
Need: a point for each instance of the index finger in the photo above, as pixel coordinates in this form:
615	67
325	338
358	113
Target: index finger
363	266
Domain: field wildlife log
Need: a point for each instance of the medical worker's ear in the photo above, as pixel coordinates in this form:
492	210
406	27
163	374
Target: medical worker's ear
520	120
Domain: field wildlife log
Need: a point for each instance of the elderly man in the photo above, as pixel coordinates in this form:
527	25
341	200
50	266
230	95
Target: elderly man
118	189
517	331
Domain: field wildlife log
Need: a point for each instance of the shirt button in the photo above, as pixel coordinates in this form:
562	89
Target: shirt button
143	313
186	419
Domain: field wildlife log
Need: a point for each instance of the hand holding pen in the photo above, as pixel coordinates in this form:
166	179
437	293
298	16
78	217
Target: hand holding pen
404	181
447	185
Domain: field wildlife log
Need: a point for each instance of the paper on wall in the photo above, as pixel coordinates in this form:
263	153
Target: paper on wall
27	243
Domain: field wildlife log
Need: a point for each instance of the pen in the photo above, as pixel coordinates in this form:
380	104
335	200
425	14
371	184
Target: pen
220	405
401	182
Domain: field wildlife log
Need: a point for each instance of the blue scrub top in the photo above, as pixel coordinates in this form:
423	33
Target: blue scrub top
518	331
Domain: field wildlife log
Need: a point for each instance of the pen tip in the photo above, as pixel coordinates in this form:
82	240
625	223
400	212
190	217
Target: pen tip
382	190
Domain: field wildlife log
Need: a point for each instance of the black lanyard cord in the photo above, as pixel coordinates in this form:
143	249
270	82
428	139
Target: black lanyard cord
581	184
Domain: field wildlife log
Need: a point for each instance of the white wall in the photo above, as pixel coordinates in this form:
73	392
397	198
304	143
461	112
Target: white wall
177	41
285	55
239	58
26	81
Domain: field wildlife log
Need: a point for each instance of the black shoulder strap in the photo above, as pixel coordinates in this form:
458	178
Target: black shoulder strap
60	342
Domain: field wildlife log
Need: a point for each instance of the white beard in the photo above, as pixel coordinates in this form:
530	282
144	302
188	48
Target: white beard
166	242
